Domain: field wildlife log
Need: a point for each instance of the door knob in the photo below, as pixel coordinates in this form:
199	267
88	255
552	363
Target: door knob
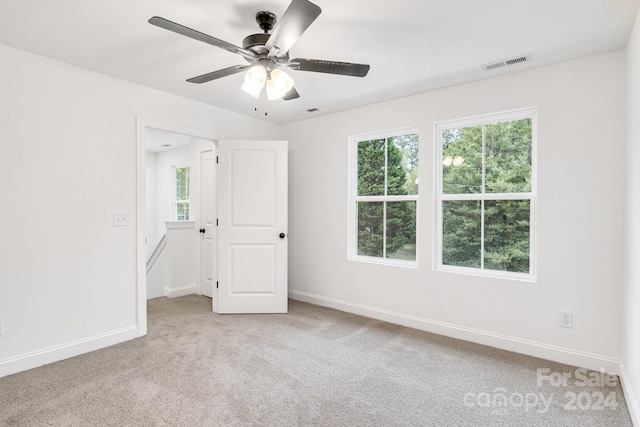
282	235
202	230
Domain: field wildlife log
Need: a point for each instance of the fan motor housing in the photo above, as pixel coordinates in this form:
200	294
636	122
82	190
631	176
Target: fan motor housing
256	41
256	44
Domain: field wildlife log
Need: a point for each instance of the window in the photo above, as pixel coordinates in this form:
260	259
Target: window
181	193
485	194
384	197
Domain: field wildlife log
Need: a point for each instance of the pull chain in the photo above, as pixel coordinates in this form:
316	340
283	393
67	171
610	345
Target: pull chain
256	109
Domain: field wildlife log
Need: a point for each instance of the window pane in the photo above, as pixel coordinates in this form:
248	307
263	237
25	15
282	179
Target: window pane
182	183
370	224
182	211
402	165
371	167
508	157
401	230
507	235
461	228
462	160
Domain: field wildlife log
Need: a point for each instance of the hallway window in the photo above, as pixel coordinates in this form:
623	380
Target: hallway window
181	193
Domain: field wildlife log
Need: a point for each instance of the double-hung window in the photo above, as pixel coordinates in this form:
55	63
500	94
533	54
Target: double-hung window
181	193
383	197
485	195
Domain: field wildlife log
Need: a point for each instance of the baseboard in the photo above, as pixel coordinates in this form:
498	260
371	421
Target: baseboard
38	358
630	396
180	291
531	348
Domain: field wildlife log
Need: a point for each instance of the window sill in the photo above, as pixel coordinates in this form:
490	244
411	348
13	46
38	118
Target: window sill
180	224
384	261
491	274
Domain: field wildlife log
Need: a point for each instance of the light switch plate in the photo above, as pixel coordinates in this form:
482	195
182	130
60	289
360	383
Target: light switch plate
120	219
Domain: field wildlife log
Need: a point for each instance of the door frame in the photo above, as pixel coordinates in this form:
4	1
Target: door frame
142	124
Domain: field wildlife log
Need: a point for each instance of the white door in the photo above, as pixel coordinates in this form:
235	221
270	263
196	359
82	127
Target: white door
252	229
208	221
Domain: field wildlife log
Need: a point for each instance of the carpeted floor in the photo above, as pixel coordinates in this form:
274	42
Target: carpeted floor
313	366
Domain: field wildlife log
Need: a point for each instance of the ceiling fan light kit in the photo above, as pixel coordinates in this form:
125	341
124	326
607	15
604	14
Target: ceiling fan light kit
278	84
254	80
267	53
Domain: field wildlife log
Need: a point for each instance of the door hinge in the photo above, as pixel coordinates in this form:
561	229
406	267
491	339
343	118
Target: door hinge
216	222
216	285
217	159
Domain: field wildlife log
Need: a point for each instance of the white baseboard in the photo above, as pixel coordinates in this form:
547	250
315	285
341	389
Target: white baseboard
531	348
630	396
180	291
34	359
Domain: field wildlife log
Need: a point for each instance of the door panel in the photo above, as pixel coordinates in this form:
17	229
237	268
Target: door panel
252	201
260	278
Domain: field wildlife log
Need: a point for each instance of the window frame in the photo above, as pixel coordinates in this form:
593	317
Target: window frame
174	191
439	197
354	198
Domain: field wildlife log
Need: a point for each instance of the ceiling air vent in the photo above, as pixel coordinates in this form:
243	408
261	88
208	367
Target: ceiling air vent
506	62
309	111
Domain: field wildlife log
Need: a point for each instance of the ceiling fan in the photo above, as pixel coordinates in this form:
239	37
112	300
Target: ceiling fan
268	52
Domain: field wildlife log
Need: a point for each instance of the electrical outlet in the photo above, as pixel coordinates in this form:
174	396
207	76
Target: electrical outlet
566	319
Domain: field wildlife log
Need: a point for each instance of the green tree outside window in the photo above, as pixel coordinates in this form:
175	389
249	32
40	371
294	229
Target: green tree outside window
386	202
486	195
181	203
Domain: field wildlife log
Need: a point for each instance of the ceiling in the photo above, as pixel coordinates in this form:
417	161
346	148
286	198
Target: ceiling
159	140
412	45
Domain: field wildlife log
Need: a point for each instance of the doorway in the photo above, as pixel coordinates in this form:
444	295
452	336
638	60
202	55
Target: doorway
167	174
198	141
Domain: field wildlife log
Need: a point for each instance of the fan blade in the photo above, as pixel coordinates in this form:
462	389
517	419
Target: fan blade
197	35
219	74
296	19
330	67
292	94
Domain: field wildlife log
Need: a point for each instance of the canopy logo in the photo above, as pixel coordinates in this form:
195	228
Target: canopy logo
500	399
596	398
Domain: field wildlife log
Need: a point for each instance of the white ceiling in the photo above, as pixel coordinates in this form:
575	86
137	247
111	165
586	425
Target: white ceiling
412	45
158	140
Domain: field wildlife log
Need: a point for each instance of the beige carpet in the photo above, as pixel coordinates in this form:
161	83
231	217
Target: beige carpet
313	366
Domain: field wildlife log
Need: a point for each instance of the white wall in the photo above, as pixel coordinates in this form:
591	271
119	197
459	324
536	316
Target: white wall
67	162
631	343
581	134
151	192
180	259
